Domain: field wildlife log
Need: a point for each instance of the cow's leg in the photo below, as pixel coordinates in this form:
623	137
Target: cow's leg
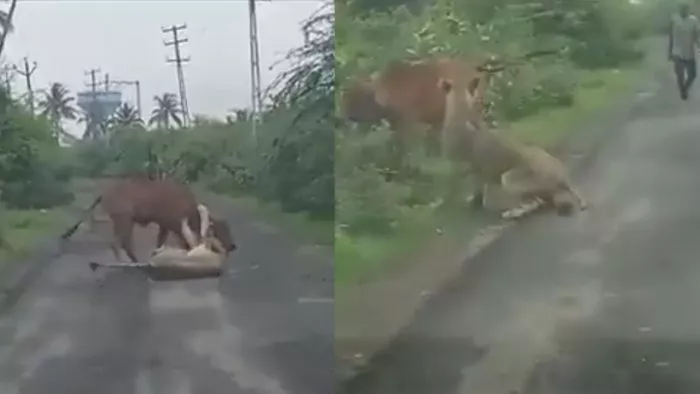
162	237
124	230
183	241
114	242
160	241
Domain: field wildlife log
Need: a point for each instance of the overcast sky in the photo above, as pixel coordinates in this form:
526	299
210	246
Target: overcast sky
124	39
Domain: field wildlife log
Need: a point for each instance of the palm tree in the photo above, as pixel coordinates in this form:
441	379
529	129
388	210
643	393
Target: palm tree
126	115
166	109
242	115
93	130
6	23
57	105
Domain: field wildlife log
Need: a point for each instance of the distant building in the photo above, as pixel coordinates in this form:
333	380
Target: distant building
97	106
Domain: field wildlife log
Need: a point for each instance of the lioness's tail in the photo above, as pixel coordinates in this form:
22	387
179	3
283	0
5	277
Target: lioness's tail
68	233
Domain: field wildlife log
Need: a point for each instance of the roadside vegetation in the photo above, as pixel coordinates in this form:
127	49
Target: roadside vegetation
283	172
383	222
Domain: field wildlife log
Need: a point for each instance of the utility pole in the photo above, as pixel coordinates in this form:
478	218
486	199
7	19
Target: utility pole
138	98
93	80
27	72
91	125
179	60
254	68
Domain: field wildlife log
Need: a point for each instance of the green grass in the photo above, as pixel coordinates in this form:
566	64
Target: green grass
23	231
364	258
595	90
317	231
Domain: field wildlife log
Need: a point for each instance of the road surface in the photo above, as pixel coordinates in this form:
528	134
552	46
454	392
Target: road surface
607	302
265	328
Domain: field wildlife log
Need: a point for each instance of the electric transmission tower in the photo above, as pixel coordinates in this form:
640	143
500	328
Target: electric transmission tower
179	60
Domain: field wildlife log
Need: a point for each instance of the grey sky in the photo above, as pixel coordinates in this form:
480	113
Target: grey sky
124	39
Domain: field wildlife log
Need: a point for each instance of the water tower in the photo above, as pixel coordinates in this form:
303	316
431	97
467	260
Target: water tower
98	105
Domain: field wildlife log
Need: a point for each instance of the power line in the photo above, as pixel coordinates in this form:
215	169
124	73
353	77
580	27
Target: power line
179	60
27	72
136	83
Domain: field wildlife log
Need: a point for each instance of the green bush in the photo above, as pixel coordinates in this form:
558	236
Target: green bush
34	169
40	190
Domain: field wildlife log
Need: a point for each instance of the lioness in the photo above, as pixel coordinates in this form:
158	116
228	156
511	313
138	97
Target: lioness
204	258
525	170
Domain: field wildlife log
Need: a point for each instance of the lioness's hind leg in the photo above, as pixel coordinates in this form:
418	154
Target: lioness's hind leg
522	210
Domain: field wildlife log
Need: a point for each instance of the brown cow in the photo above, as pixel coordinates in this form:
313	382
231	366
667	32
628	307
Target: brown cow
406	94
142	201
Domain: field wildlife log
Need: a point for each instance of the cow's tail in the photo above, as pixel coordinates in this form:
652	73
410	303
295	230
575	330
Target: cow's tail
68	233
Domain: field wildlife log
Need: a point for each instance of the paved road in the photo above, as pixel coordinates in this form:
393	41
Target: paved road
265	328
608	302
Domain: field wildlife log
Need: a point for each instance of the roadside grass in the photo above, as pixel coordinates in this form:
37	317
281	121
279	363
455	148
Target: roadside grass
360	259
595	90
22	231
317	231
305	228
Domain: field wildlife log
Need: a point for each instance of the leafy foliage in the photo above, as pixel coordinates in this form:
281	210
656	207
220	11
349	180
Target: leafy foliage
33	169
126	116
57	105
166	110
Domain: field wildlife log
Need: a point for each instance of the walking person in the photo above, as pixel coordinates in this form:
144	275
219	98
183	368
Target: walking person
684	34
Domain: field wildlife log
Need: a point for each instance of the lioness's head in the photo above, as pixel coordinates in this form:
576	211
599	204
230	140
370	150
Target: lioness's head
220	231
463	101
